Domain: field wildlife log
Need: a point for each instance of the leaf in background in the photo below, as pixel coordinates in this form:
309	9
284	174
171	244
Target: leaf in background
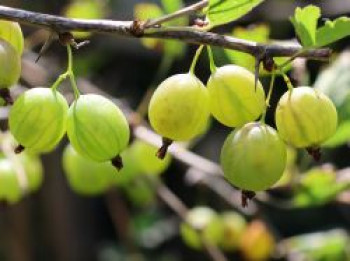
225	11
260	34
143	12
305	24
318	186
335	83
341	136
333	31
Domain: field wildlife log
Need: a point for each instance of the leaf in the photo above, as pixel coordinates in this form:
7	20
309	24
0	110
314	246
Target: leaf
333	31
305	24
335	83
260	34
225	11
341	136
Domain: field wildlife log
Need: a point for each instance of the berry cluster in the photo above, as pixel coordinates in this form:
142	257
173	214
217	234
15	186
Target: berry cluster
228	230
253	156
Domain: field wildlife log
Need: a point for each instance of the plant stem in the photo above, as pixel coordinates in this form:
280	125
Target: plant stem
195	58
68	73
211	59
182	12
267	102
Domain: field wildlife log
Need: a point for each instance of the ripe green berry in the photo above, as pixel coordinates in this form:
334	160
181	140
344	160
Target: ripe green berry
85	176
144	155
12	33
140	193
234	225
10	65
305	117
38	118
179	108
130	170
253	157
96	128
10	189
201	223
34	170
234	100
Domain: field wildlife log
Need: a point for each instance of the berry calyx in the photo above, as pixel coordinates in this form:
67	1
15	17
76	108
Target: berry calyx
234	98
305	117
38	118
253	157
97	129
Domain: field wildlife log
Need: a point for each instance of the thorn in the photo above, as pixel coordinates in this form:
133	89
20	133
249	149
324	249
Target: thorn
19	149
246	196
161	153
117	162
46	46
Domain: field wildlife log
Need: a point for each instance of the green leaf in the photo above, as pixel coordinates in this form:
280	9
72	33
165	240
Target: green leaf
225	11
317	187
305	24
333	31
341	136
260	34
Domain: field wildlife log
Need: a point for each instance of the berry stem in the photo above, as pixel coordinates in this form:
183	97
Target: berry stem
211	59
71	73
268	98
286	79
195	58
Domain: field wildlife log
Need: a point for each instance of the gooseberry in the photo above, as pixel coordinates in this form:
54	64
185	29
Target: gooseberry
12	33
10	189
257	243
140	193
179	108
38	118
85	176
145	159
10	65
234	226
234	99
305	117
253	157
201	223
97	129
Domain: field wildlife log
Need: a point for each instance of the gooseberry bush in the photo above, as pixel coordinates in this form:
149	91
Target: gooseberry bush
272	119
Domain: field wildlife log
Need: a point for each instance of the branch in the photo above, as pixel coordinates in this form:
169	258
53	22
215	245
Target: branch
135	29
181	210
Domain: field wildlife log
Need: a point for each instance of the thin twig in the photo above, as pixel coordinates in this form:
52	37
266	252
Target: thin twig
182	12
134	29
181	210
